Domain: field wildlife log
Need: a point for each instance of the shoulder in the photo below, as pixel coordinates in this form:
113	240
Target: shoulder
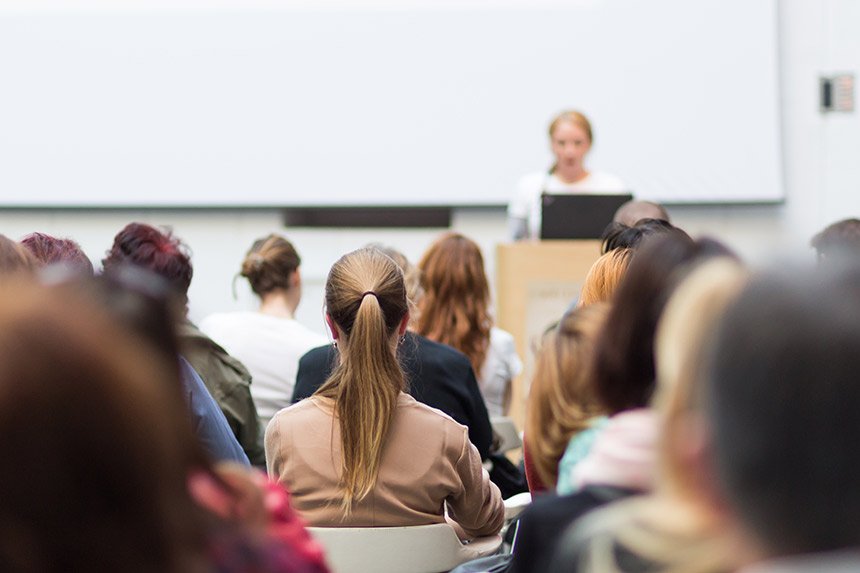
502	341
309	410
442	354
421	413
532	181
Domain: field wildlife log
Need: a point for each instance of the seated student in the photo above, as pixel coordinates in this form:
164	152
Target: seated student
361	452
561	400
455	310
621	447
675	528
226	378
50	250
604	276
101	470
436	374
143	303
783	398
269	341
620	236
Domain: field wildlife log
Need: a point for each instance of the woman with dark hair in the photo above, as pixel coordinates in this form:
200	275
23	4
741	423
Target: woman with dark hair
269	341
361	452
455	311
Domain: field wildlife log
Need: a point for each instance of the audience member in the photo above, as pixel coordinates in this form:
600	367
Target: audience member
89	397
140	300
621	236
782	398
225	377
677	527
839	240
436	374
634	211
361	452
621	447
270	341
604	276
561	399
455	310
50	250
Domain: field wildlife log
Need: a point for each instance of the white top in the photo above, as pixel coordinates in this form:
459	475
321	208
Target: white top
270	347
500	367
526	204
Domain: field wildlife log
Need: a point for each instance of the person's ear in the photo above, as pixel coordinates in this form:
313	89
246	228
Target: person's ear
694	450
331	326
403	324
295	279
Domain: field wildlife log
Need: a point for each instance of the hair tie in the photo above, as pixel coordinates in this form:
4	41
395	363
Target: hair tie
367	292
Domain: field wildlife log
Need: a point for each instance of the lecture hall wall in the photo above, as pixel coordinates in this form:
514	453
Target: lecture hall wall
821	176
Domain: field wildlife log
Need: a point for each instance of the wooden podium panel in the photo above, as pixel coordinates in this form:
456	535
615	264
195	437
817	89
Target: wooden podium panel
535	283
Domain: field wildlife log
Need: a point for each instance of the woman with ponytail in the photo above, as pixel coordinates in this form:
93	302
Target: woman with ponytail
361	452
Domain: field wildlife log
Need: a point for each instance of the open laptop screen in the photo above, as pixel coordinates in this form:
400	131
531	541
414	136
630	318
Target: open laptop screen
578	216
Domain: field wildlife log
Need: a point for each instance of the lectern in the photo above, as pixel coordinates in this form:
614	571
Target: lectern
536	281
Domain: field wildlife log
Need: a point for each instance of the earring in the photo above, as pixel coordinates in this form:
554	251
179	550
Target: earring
334	344
402	340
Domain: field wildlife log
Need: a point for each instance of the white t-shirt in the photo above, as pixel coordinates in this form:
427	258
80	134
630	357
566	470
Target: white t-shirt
526	204
500	367
270	347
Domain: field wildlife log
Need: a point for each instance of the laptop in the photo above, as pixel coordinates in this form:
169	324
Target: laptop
578	216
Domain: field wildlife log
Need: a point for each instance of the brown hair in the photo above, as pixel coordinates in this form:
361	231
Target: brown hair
561	400
576	118
85	398
270	263
604	276
366	299
455	309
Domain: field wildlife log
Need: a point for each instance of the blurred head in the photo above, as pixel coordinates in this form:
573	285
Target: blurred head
455	308
367	311
838	241
50	250
624	371
271	264
783	398
15	259
561	398
634	211
604	276
153	249
570	139
85	401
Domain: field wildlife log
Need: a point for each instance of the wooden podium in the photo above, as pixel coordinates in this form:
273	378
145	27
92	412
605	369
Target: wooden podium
535	283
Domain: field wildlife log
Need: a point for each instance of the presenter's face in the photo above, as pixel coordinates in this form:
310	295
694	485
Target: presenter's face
569	144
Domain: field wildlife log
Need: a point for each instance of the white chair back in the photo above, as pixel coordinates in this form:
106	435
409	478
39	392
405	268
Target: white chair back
414	549
508	434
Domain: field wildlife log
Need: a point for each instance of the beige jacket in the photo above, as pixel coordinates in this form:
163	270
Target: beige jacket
428	462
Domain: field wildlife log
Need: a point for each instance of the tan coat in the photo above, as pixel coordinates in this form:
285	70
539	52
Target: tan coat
428	461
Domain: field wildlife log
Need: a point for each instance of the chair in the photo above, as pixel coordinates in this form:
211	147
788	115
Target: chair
506	430
516	504
415	549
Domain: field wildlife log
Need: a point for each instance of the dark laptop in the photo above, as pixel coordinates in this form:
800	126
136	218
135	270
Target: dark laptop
578	216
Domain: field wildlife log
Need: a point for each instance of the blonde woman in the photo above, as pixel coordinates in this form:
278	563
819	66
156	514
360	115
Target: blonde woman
561	401
571	138
269	341
361	452
455	311
675	529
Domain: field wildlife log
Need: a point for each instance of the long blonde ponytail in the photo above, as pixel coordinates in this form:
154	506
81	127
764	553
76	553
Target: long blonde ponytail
366	301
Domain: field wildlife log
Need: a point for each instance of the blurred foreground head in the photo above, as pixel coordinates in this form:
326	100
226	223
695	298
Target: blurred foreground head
783	399
94	476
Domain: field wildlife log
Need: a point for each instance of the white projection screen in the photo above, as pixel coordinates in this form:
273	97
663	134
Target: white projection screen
402	102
